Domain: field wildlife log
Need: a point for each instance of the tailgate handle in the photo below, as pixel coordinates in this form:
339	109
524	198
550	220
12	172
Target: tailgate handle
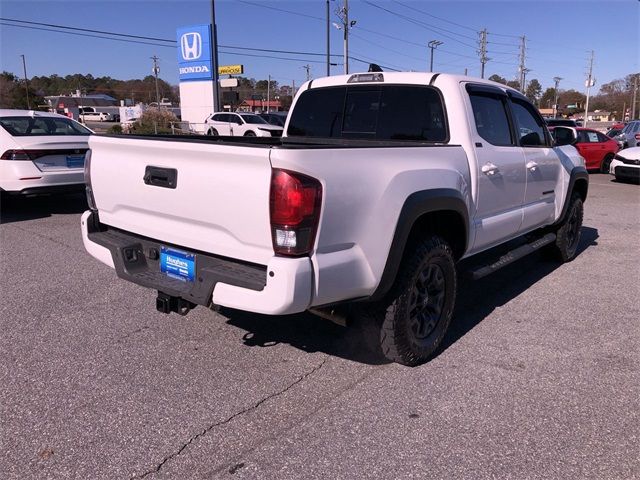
161	177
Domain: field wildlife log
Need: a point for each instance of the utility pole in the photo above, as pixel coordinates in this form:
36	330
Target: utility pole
26	81
268	93
343	13
156	70
589	83
483	51
633	106
524	80
307	67
214	58
433	44
328	42
522	67
556	81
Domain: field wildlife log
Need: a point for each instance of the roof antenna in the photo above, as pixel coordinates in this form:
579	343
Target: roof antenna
373	67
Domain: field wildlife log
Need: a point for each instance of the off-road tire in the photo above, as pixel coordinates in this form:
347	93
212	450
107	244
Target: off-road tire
565	247
212	132
606	163
413	321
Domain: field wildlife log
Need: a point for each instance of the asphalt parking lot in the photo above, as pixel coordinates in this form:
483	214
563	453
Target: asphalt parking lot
540	376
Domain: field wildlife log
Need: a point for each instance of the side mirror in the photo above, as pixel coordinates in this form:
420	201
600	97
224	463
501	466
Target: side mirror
564	136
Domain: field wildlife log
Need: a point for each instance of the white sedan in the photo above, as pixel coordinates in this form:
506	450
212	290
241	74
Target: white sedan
41	152
240	124
626	165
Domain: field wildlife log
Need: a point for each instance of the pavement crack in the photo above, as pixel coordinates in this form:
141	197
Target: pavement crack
47	237
229	419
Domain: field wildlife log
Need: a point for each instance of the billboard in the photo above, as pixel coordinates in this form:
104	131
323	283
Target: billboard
194	53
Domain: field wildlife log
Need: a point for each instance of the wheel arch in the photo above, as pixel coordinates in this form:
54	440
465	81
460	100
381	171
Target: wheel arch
442	212
579	183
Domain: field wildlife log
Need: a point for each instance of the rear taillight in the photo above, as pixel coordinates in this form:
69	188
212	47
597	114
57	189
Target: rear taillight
87	181
24	154
294	203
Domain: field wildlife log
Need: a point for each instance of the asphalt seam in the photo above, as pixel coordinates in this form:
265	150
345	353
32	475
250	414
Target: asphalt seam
46	237
229	419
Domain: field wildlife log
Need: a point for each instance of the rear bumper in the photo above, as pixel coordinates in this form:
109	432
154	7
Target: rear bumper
36	181
282	287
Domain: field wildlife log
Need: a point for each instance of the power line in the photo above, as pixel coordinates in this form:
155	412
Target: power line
385	48
254	4
128	40
434	26
424	25
88	30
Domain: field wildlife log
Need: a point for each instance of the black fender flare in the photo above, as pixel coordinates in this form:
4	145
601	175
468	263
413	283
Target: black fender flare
416	205
577	174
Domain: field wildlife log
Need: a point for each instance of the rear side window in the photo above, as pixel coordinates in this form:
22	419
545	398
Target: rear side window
35	126
492	122
380	112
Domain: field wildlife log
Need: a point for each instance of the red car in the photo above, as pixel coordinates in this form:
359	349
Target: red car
596	148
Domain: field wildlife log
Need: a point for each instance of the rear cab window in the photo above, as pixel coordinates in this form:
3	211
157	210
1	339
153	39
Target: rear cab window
371	112
27	126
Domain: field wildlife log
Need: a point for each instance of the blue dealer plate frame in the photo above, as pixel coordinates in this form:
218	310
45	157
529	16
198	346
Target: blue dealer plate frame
75	161
178	264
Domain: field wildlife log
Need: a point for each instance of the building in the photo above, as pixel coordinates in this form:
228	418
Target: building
597	116
259	106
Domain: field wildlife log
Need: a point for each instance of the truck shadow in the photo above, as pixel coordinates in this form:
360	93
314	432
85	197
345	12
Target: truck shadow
476	301
20	209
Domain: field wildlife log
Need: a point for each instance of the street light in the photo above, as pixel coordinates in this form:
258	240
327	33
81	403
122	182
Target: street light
433	44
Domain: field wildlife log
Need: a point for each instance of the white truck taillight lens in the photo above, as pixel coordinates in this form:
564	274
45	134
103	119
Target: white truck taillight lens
87	181
294	204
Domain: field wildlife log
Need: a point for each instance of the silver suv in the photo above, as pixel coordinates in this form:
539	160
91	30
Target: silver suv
630	135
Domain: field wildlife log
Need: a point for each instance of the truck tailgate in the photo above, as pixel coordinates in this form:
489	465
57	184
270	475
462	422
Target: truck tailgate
218	204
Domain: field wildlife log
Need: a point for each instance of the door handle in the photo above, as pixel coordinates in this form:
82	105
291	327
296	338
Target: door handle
489	169
532	166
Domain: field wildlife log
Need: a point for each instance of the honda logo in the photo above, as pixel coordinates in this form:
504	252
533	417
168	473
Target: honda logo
191	45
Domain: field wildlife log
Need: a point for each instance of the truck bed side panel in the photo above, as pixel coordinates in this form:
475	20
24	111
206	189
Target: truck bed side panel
364	190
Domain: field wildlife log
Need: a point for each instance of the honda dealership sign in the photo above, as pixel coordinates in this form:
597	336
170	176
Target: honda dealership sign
194	53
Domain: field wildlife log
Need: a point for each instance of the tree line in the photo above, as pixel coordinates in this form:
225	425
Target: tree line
615	96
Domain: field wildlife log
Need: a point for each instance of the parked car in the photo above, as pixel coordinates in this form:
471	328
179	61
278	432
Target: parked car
626	165
240	124
274	118
613	132
630	135
90	113
381	184
596	148
560	122
41	152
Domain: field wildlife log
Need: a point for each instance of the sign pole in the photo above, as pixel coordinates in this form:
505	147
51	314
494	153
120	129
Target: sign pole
214	58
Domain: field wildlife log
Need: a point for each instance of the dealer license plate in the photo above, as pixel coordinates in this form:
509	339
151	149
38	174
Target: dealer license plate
178	264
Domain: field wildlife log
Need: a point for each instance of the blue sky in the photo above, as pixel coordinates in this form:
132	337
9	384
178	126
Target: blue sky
559	34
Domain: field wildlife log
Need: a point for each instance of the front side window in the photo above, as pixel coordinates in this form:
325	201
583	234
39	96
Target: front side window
37	126
530	128
490	115
376	112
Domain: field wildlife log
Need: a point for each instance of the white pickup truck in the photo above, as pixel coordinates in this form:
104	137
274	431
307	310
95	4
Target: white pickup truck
380	184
